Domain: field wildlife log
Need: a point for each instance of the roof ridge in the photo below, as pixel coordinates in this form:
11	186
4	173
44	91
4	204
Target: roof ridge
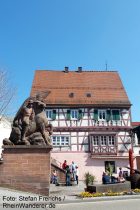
81	88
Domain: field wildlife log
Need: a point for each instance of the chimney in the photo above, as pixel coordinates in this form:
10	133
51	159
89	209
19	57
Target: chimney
79	69
66	69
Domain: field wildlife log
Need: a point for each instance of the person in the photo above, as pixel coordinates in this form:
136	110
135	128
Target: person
64	165
121	179
77	174
73	170
68	175
54	178
105	178
120	172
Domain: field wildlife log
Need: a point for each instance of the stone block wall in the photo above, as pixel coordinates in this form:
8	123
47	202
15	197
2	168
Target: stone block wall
26	168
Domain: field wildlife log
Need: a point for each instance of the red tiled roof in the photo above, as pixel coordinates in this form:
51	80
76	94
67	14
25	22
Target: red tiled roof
135	124
104	87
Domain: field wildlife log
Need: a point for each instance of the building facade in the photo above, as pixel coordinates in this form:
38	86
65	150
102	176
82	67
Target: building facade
5	130
91	116
136	140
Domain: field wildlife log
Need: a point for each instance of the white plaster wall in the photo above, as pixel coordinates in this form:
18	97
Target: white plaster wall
61	134
136	150
73	134
123	137
74	140
85	117
5	130
136	139
74	147
125	117
125	114
54	123
124	148
61	114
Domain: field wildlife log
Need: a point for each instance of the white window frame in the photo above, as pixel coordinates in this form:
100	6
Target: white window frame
103	140
111	140
49	113
61	141
74	114
95	140
101	111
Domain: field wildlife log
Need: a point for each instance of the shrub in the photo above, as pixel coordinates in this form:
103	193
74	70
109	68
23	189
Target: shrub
109	170
88	178
136	190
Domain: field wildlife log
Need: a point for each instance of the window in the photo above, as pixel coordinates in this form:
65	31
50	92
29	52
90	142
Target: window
49	114
110	166
74	114
103	140
101	114
61	140
96	140
111	140
108	114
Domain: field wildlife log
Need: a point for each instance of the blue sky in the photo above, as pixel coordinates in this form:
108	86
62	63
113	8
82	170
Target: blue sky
51	34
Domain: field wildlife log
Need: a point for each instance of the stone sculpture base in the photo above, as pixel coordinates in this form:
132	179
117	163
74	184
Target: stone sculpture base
26	168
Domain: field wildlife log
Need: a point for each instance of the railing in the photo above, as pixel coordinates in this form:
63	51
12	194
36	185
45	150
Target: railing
56	162
108	123
104	150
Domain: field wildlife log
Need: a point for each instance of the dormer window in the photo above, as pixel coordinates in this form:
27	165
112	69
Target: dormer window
71	95
88	95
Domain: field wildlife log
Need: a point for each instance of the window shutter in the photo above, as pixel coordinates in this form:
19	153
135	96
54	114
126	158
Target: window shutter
80	114
95	117
108	117
68	115
113	115
116	114
54	115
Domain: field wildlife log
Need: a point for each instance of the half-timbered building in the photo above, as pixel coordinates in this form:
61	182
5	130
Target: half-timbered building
91	116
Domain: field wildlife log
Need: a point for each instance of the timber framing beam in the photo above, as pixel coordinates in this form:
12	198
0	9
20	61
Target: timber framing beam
92	128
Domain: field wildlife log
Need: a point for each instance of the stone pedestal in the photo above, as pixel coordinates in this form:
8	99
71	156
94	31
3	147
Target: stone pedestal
26	168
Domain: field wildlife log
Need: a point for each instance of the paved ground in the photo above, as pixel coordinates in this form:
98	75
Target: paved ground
68	198
70	192
104	205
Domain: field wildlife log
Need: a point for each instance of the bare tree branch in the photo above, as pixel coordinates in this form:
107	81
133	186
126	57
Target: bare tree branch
7	93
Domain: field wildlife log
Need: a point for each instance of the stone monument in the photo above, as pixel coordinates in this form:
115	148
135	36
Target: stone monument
26	155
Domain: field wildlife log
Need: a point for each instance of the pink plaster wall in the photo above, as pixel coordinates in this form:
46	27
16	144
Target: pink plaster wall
85	163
